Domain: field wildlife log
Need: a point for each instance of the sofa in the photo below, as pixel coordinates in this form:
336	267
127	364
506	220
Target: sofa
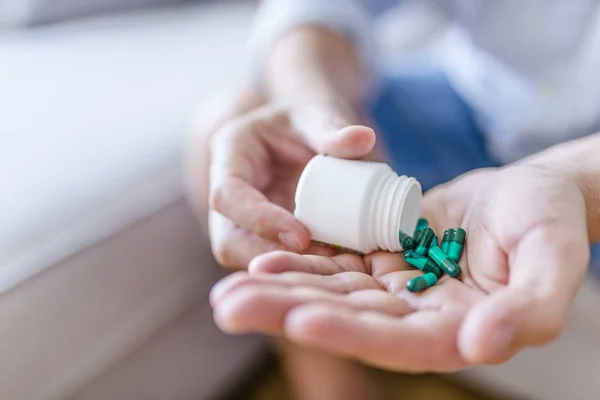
104	270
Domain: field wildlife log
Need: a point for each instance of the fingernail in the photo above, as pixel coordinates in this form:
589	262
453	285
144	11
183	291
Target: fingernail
321	251
502	338
290	240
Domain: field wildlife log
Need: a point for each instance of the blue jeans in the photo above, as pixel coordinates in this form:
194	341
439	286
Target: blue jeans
419	117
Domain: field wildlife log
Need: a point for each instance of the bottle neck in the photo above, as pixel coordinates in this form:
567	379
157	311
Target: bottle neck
392	208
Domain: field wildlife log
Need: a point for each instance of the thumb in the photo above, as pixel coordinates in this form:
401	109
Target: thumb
331	130
546	268
497	328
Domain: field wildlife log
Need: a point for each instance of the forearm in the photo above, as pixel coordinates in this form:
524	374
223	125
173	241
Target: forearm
313	64
580	159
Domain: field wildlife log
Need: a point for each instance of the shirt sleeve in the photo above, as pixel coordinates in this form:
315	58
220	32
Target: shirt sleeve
276	17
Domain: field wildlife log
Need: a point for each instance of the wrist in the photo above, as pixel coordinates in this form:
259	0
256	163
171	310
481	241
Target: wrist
329	110
312	64
313	91
578	160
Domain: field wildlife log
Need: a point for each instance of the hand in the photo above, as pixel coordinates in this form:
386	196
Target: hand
527	252
256	161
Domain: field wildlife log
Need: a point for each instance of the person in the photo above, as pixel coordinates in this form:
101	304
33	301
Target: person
497	121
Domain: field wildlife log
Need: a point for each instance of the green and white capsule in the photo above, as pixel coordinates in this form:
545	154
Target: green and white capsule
448	265
406	241
447	238
421	283
455	247
423	263
424	241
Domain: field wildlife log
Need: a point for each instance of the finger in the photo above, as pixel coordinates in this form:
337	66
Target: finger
382	263
346	282
317	249
234	247
395	283
281	261
251	210
233	176
329	131
501	325
420	341
262	308
547	267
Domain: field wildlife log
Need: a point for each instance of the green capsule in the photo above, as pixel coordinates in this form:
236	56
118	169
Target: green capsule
424	241
423	263
421	283
407	242
434	241
417	236
445	263
448	233
455	247
422	223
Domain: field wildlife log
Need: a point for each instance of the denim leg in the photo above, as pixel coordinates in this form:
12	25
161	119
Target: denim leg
427	130
595	262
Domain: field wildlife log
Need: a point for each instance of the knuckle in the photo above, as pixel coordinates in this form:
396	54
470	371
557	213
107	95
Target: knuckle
280	115
244	280
242	126
549	324
222	253
215	198
222	194
228	132
239	280
261	223
552	329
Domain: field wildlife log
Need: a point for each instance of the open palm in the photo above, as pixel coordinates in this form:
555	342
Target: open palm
527	251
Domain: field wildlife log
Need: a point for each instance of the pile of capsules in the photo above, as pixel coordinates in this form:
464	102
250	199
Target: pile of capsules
422	251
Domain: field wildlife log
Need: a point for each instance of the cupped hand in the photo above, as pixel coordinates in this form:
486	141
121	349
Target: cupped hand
256	161
526	254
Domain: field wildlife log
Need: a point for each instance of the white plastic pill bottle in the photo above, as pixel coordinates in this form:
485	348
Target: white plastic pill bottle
359	205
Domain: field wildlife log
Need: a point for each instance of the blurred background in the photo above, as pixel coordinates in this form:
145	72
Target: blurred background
104	271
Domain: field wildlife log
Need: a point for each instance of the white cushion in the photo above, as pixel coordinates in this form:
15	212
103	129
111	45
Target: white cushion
98	250
29	12
98	113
